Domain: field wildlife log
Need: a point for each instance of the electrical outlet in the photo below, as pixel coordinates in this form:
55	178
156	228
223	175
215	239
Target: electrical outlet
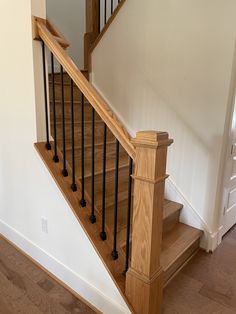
44	224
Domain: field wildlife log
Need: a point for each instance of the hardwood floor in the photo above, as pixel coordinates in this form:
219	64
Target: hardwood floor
207	284
25	288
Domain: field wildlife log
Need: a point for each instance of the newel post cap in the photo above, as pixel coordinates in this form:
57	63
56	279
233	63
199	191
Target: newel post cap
152	139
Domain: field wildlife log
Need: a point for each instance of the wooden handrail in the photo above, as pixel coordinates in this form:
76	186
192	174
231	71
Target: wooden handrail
144	279
90	93
108	24
93	34
60	38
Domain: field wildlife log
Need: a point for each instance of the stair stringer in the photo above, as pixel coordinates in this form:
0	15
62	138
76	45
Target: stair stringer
79	266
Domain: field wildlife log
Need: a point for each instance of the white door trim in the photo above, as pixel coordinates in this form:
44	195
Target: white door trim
227	148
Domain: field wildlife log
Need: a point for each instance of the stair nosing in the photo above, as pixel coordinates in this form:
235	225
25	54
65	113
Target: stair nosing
178	208
196	236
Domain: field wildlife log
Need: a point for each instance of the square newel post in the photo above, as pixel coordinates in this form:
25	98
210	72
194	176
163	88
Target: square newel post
144	279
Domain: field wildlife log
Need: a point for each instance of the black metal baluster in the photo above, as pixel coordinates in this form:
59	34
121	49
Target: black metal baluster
93	217
103	234
55	157
105	12
82	201
47	145
73	185
114	252
64	170
111	7
129	214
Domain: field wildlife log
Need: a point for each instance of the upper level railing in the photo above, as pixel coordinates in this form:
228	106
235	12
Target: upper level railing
146	167
99	16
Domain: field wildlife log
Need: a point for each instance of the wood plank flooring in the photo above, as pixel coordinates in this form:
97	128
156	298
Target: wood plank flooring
25	288
207	284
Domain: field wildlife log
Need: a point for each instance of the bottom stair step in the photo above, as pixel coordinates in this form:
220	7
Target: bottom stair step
178	246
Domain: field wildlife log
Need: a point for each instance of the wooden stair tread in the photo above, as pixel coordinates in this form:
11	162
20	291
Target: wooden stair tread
78	123
170	207
99	169
179	240
176	242
56	83
67	102
168	204
86	146
123	196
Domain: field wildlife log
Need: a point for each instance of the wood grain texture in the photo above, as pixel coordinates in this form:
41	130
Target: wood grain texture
90	93
92	27
58	36
160	246
177	246
144	280
26	288
207	284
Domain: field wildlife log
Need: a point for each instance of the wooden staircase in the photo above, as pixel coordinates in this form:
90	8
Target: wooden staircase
158	245
179	241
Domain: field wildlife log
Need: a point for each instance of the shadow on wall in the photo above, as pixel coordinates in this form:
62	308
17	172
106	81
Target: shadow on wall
69	17
172	73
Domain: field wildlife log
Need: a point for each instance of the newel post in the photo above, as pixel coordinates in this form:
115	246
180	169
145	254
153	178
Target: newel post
144	280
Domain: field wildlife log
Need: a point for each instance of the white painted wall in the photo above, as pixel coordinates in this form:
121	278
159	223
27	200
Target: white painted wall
69	17
166	65
27	191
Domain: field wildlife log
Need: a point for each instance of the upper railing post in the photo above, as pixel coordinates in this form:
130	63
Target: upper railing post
92	27
144	281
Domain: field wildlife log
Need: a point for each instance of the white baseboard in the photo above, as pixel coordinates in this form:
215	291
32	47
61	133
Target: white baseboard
211	241
62	272
189	216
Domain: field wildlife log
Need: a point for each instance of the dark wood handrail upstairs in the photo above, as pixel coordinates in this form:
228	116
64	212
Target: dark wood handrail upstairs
144	276
94	98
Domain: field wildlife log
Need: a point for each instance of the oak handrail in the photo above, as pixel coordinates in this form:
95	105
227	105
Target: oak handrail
107	25
93	34
90	93
60	38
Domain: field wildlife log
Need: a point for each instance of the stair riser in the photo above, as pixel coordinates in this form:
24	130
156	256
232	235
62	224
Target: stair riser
67	78
77	112
110	182
175	267
110	187
99	133
170	222
122	218
98	162
67	92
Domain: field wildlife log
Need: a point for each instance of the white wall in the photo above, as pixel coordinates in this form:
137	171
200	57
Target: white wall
166	65
69	17
27	191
